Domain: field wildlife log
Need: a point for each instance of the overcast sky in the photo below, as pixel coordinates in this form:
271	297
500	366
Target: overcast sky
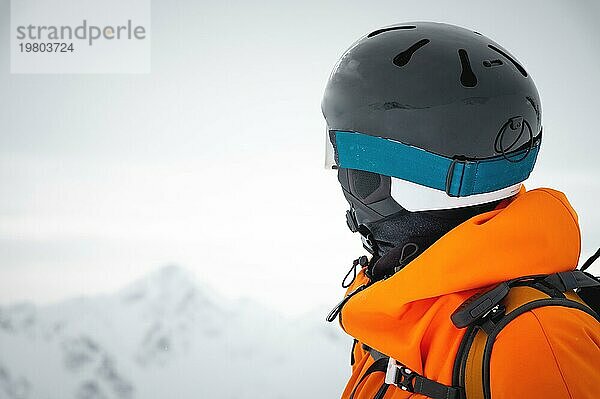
213	161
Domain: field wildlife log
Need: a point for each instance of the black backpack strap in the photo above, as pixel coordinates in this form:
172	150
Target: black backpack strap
410	381
567	281
376	366
396	374
472	365
586	285
591	260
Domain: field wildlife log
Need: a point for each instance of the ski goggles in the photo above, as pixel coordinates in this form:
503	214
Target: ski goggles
457	176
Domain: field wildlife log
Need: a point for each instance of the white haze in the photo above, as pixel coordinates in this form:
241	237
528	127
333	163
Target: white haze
214	160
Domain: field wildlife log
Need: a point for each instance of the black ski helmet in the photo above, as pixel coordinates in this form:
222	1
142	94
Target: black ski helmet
433	104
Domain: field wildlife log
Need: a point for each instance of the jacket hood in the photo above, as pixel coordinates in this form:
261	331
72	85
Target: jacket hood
535	233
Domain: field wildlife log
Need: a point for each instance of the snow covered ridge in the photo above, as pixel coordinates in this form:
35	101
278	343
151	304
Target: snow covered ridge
166	336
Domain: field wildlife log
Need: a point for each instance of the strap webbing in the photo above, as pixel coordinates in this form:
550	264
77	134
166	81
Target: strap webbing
433	389
378	365
591	260
413	382
457	177
473	363
567	281
474	370
410	381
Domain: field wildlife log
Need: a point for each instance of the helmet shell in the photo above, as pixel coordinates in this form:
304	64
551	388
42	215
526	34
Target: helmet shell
439	87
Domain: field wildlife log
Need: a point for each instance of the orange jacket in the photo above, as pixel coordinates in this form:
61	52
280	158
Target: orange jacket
550	352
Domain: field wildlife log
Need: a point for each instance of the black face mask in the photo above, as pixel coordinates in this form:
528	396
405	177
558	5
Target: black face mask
401	237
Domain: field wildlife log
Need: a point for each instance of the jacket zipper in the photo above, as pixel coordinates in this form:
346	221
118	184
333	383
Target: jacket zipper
338	308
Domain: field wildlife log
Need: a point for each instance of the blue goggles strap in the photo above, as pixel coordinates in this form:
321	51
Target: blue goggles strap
457	177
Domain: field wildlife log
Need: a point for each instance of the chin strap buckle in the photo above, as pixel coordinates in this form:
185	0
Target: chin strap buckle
367	238
368	242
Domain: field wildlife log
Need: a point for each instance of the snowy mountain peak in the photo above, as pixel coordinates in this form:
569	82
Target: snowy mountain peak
169	289
164	279
165	335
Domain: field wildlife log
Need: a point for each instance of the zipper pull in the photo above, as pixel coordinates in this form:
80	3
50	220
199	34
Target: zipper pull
338	308
362	261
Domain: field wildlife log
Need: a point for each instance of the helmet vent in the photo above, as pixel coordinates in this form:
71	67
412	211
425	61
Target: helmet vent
365	183
508	57
492	63
378	31
404	57
467	77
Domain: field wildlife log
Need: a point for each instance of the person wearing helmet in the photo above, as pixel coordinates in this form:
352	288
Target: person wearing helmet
471	288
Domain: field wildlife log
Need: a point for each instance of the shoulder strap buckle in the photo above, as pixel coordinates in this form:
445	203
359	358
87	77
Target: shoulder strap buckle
399	375
408	380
